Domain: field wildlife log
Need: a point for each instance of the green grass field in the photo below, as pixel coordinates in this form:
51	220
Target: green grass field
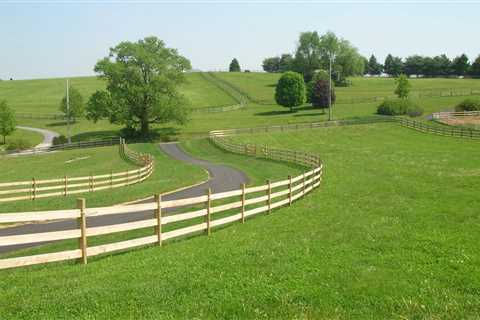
392	233
44	95
73	163
169	174
33	138
258	85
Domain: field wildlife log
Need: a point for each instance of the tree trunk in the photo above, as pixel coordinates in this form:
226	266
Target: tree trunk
145	127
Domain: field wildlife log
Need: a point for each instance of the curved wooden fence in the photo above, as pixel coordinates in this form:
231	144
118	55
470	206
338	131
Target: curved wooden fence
41	188
184	217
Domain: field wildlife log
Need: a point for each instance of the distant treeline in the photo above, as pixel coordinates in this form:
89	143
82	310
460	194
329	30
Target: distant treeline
415	65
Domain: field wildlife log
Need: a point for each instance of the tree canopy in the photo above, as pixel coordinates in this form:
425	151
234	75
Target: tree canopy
142	85
290	90
475	67
403	87
320	94
374	68
234	66
7	120
460	65
76	104
393	66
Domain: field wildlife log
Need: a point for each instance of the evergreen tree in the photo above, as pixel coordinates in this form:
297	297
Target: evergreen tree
460	65
475	68
234	66
374	68
76	106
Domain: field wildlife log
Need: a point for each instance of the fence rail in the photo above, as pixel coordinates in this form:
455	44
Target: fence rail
450	131
41	188
67	146
448	115
201	213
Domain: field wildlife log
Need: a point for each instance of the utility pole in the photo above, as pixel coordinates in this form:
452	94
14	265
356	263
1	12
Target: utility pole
330	89
68	114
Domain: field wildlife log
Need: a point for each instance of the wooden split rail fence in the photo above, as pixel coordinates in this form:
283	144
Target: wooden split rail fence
450	131
194	215
448	115
41	188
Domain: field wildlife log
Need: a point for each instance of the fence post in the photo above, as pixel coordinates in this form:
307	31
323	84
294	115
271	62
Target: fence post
303	185
269	197
158	215
82	224
243	202
34	188
111	179
207	217
289	190
91	182
65	186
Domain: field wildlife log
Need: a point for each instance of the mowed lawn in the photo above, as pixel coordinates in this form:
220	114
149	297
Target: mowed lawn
44	95
33	138
261	86
392	233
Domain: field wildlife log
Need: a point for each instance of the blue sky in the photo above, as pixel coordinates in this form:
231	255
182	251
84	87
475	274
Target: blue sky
42	40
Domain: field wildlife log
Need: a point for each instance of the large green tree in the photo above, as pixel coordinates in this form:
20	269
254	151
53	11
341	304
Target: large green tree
234	66
142	85
271	64
314	52
76	105
290	90
346	61
393	66
7	120
307	55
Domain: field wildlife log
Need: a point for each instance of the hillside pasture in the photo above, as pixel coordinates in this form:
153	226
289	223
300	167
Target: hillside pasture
43	96
391	233
260	87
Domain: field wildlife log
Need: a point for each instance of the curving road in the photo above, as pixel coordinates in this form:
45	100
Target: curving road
47	135
222	178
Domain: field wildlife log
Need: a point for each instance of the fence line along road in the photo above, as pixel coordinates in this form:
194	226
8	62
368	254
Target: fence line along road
60	187
196	215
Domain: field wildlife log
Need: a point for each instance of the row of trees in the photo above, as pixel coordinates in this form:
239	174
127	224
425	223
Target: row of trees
315	52
426	66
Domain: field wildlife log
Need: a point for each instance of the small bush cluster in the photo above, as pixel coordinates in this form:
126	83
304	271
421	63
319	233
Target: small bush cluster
397	107
468	105
60	140
18	145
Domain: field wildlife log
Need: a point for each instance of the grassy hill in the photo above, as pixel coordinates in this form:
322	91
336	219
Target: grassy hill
44	95
391	233
260	87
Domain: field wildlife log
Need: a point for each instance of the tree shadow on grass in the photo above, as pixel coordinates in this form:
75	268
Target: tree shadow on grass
96	135
285	111
60	124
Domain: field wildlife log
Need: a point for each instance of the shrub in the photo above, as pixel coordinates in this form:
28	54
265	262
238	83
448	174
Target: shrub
320	95
468	105
60	140
19	144
290	90
399	107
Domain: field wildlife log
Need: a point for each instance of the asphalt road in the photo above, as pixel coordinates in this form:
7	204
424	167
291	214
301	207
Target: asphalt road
222	178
